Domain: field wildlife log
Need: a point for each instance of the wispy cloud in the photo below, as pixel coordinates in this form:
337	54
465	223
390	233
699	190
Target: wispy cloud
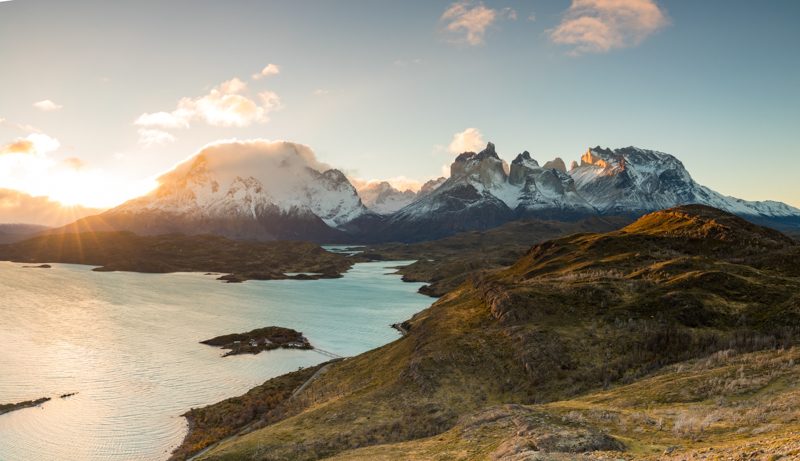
268	70
467	21
226	105
599	26
407	62
149	137
47	105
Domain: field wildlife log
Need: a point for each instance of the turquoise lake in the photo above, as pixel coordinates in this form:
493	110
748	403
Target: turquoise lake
127	343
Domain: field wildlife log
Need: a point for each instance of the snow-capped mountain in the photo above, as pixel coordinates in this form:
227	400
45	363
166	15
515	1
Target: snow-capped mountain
253	189
546	188
483	191
383	198
633	180
278	190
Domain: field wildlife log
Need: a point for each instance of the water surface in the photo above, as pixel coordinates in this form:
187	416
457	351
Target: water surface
128	344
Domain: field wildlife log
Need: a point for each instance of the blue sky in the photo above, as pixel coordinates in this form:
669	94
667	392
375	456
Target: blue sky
380	88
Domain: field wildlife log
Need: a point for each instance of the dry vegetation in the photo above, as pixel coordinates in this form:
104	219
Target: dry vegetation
628	344
259	406
447	263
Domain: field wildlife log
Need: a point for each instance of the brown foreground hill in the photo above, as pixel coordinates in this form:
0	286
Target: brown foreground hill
672	337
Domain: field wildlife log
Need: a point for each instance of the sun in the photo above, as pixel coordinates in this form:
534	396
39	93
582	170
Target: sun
92	189
71	185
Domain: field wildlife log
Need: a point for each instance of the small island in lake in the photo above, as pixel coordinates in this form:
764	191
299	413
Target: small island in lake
261	339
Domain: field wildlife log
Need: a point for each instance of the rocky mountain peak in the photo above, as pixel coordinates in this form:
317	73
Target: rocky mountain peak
431	185
335	175
489	150
383	198
597	157
486	165
556	164
525	159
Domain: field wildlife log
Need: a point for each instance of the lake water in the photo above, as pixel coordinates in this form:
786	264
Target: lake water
128	345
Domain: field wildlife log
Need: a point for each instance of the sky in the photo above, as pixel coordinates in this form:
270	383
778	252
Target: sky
98	98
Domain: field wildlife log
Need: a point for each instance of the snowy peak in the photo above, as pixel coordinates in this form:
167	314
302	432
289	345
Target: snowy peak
635	180
483	181
556	164
252	179
483	167
383	198
431	186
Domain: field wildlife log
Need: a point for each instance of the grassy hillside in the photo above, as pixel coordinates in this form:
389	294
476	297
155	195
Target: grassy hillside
448	262
725	406
125	251
573	318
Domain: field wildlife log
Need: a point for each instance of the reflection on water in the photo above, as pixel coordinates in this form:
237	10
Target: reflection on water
128	345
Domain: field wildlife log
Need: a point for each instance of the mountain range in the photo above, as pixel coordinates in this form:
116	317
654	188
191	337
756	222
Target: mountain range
262	190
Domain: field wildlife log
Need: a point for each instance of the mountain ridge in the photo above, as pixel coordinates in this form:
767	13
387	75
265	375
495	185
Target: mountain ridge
267	190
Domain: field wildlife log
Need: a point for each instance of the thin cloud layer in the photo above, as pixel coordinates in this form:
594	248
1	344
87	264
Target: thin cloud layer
226	105
469	140
47	106
599	26
467	21
149	137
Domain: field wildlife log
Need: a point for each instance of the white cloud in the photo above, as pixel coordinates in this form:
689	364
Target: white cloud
232	86
321	92
268	70
149	137
467	20
270	101
599	26
469	140
226	105
47	105
173	119
34	143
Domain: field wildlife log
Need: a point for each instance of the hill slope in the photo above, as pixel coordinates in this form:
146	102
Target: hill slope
574	315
